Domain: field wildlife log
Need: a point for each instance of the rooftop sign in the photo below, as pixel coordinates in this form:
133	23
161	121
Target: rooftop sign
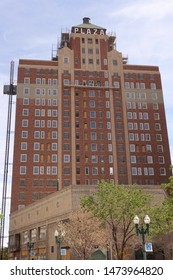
83	30
88	28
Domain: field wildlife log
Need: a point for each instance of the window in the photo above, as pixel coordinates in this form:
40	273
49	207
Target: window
66	158
36	158
132	148
93	136
54	170
41	170
153	86
127	85
133	159
37	123
86	170
38	91
92	124
54	158
78	171
150	171
156	116
38	81
26	90
155	106
36	134
154	96
161	159
54	146
129	115
42	233
110	147
36	146
116	85
66	82
111	170
108	114
100	125
131	136
94	170
115	62
145	171
149	159
162	171
26	80
93	147
35	170
110	159
148	148
158	137
134	171
26	101
90	61
143	95
23	158
91	103
54	134
37	112
107	104
146	126
130	126
92	114
25	112
160	149
66	170
66	60
24	146
145	116
108	125
22	170
105	61
66	135
157	126
94	159
24	134
109	136
147	137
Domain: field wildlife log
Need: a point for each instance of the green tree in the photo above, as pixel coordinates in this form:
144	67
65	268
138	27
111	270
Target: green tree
162	215
162	220
1	216
116	207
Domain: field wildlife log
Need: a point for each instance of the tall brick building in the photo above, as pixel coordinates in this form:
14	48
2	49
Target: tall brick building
87	115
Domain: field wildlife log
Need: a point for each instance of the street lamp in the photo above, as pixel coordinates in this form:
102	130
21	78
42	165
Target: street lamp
59	236
142	231
30	245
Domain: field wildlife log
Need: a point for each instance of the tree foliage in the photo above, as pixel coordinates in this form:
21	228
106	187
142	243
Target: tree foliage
162	216
116	207
83	234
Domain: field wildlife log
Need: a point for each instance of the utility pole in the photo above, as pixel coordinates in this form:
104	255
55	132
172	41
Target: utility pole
9	90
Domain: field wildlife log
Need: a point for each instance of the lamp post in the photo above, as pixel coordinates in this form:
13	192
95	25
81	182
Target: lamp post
143	231
30	245
59	236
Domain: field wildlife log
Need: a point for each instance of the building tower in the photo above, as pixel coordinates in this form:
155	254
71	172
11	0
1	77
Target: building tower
87	115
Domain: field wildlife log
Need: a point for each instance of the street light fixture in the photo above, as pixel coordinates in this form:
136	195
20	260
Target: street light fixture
143	231
30	245
59	236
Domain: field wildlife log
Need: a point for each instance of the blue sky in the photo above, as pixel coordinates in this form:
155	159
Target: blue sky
28	29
